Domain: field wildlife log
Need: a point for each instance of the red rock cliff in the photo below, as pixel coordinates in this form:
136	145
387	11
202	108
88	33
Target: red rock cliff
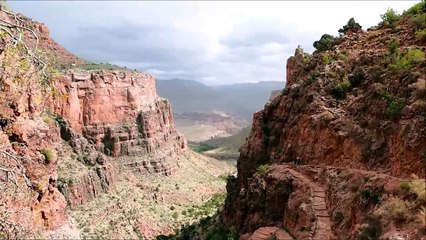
70	130
351	107
119	112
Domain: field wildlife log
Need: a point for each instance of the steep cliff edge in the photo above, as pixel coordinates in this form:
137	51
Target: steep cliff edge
68	135
357	105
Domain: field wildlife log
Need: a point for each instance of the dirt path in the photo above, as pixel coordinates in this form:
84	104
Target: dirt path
265	233
322	226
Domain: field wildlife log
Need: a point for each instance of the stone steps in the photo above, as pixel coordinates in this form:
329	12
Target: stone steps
322	226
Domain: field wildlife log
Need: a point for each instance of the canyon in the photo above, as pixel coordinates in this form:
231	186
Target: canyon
362	168
91	151
77	144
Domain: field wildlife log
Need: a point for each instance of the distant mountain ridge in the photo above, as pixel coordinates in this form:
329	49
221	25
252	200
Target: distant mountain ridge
241	99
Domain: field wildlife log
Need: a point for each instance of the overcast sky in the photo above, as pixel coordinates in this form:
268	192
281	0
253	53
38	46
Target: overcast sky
211	42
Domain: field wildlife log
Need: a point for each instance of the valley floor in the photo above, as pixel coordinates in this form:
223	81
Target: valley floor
143	205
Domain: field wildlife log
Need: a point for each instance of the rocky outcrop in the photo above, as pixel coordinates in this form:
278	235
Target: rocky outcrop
313	202
119	112
113	118
65	135
89	185
348	107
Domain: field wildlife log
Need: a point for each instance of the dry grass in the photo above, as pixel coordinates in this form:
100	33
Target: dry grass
397	208
418	186
420	88
421	217
151	203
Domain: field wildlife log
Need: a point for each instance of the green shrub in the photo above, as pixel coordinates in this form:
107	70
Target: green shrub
262	169
395	104
326	42
393	45
48	155
417	8
370	196
350	26
314	77
175	215
400	64
395	107
341	89
390	18
371	230
405	186
306	58
419	21
327	59
421	34
200	147
407	61
416	56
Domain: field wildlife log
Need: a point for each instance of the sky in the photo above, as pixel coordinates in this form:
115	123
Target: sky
214	42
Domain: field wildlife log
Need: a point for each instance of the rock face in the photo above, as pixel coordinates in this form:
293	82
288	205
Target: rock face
64	136
346	107
119	112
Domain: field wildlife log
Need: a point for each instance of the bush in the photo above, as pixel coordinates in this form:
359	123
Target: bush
325	43
341	89
416	56
393	45
48	155
397	208
200	147
262	169
351	26
395	107
407	61
372	230
417	8
314	77
418	186
400	64
327	59
419	21
421	35
390	18
370	196
405	186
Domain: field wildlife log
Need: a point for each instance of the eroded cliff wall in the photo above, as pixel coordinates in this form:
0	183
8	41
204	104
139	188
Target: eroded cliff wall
355	107
70	130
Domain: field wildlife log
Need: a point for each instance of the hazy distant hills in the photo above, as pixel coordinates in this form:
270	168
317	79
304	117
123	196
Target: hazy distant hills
235	99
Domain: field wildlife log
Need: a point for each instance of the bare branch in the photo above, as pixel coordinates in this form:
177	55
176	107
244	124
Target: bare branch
18	39
20	168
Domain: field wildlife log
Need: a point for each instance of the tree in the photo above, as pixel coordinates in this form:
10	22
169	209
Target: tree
351	26
326	42
390	18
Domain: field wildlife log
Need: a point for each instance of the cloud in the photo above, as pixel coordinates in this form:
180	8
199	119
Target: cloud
212	42
254	33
